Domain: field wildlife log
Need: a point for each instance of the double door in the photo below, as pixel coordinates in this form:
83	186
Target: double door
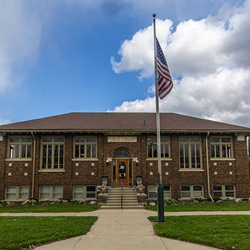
122	172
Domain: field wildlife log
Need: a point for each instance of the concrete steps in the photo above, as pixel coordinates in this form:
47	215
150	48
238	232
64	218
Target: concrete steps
127	200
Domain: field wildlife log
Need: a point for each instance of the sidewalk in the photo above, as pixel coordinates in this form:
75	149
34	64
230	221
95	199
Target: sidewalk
122	230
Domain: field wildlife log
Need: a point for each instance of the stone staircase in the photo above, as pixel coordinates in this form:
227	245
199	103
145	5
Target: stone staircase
122	198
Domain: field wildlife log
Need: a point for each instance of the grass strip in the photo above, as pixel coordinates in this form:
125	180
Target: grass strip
48	208
24	232
224	206
222	231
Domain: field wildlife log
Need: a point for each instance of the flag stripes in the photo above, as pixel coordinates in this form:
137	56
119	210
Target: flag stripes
164	80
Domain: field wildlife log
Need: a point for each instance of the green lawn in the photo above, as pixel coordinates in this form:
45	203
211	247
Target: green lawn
224	206
222	231
48	208
23	232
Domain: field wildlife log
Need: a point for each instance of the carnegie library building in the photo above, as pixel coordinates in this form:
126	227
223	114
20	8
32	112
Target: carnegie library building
67	156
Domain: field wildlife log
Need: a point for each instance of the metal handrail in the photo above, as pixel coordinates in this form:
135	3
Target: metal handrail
121	195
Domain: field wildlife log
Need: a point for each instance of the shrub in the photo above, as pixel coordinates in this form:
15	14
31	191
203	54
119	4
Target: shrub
200	199
170	202
229	200
3	203
63	201
216	199
151	202
6	203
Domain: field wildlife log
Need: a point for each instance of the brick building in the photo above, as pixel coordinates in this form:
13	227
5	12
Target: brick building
66	156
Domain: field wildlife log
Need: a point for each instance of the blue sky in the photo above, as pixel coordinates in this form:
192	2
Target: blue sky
97	55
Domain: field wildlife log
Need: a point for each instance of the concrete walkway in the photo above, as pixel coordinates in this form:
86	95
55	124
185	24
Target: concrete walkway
122	230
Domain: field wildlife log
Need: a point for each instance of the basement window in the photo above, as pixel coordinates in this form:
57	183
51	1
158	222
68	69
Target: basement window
224	191
191	191
51	192
16	193
152	192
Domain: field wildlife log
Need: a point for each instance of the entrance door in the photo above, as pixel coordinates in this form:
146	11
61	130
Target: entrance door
122	173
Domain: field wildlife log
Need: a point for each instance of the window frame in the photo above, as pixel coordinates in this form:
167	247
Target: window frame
18	193
85	144
167	193
191	191
12	148
75	192
165	147
51	193
91	192
187	148
224	191
85	193
219	146
56	156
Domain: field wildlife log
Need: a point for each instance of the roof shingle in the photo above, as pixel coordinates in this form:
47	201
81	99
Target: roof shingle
112	121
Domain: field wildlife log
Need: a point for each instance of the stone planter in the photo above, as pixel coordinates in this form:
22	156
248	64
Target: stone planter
102	199
142	198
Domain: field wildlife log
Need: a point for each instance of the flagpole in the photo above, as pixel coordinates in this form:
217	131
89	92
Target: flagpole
160	188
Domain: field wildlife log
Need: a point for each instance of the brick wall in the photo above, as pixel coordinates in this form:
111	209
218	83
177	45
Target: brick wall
89	172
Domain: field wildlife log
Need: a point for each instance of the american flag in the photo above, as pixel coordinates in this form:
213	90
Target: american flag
165	83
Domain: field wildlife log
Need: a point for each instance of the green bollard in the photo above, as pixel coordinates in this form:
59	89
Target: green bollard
160	202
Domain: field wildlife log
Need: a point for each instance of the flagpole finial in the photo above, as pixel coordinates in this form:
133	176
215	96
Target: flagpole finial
154	15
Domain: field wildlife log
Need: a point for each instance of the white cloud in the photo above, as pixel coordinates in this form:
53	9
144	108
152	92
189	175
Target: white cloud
210	59
237	45
19	41
195	47
137	53
147	105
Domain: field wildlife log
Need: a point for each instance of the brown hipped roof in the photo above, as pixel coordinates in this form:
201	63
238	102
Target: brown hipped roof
129	122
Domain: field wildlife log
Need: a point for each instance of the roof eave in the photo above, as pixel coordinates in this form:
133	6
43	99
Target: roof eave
109	131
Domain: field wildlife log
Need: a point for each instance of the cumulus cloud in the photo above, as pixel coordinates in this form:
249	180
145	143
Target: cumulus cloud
137	53
209	60
237	46
19	41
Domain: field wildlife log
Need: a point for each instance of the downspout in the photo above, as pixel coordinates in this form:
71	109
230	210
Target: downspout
34	165
208	176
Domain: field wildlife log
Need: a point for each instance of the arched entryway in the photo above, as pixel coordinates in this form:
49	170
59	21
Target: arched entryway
122	168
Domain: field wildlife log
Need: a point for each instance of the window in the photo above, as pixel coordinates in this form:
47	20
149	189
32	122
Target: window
19	147
17	193
85	147
190	152
78	192
152	147
52	153
167	192
81	192
221	147
191	191
91	192
51	192
122	153
152	192
224	191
